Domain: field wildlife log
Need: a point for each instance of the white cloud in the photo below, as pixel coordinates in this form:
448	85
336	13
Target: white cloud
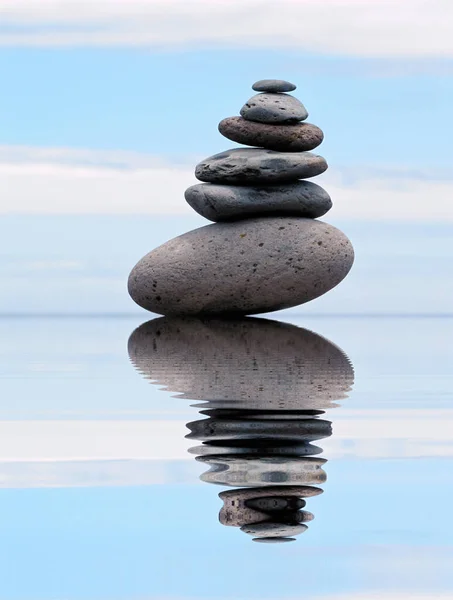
65	181
359	27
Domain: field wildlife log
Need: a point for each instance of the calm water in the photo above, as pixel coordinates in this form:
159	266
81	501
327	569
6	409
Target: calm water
103	496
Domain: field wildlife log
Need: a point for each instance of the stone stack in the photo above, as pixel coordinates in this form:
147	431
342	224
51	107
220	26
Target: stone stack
265	250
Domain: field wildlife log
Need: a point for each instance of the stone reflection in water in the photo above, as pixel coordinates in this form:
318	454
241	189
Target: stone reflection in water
265	386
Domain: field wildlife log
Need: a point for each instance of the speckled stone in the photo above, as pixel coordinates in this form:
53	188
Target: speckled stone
244	267
252	166
295	137
273	530
274	108
273	85
227	202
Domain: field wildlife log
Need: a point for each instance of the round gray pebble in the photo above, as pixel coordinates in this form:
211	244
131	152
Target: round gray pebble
224	202
252	166
273	85
274	108
290	137
244	267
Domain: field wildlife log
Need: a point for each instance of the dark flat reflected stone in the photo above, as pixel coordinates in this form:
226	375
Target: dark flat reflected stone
276	503
220	429
267	447
272	530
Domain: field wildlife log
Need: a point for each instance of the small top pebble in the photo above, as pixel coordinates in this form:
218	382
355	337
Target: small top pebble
273	85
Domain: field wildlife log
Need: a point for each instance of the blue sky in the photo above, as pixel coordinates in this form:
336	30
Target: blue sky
169	103
107	108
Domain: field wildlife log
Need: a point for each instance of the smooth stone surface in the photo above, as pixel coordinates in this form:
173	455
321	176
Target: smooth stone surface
274	108
244	267
273	85
252	166
292	137
273	530
224	202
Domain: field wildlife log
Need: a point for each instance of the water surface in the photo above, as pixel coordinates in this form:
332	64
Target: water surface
101	497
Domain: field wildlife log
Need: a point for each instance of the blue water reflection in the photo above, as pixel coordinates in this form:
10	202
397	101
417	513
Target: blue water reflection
100	498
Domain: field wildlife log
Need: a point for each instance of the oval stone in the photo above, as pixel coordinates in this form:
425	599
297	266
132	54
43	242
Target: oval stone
244	267
274	108
273	85
289	137
252	166
223	202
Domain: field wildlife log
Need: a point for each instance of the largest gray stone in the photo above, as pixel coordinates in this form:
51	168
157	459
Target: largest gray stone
225	202
274	108
251	166
245	267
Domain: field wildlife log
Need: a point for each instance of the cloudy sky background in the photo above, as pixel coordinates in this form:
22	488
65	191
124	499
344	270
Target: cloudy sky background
108	106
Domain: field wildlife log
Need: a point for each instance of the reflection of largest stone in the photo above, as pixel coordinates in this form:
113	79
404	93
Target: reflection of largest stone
242	363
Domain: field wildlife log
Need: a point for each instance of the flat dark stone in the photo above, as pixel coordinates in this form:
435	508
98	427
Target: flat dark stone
273	85
227	202
287	137
252	166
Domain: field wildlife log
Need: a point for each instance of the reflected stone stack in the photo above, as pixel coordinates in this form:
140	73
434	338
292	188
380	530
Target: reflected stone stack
264	388
265	251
